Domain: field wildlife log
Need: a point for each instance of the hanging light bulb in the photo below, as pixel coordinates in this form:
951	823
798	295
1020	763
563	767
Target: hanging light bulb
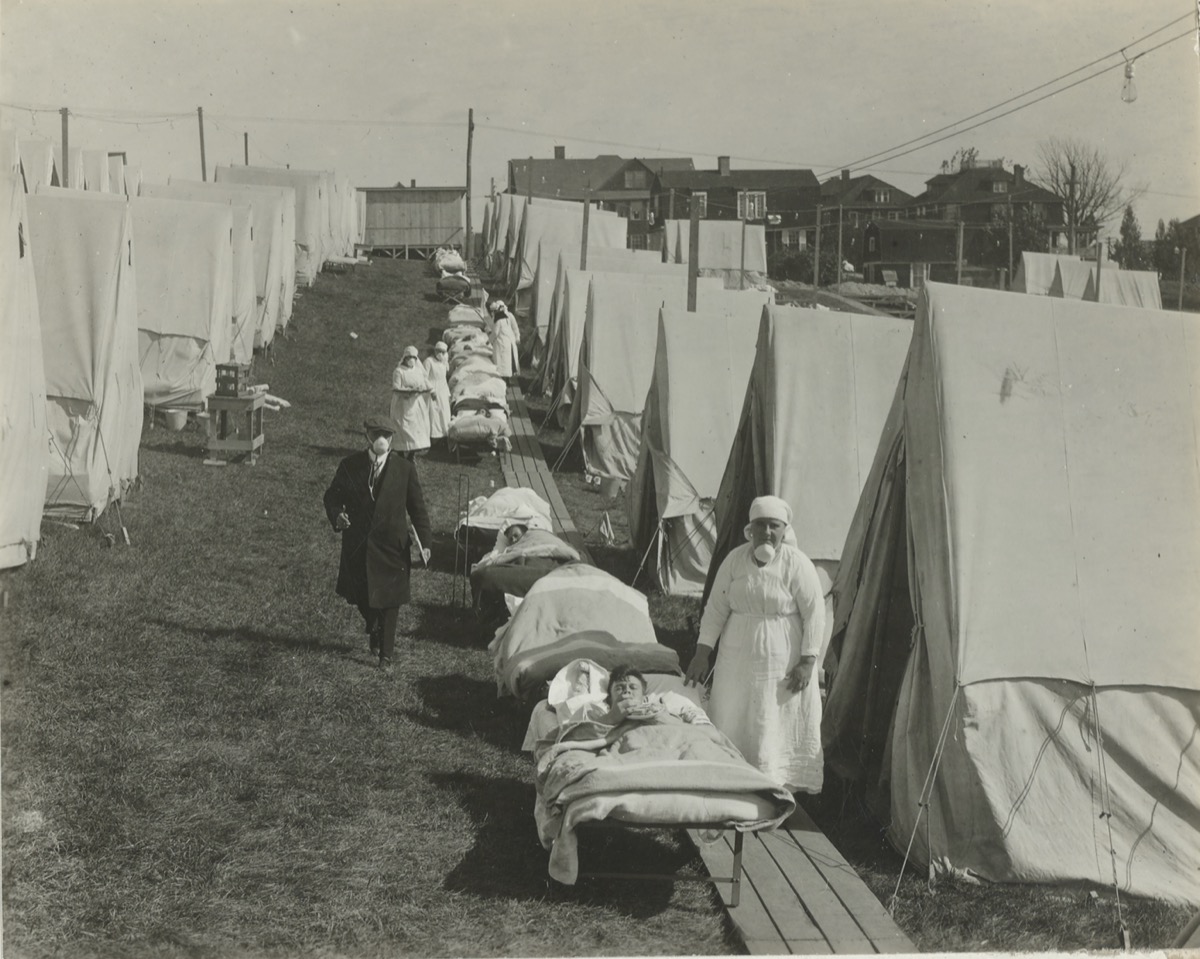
1129	90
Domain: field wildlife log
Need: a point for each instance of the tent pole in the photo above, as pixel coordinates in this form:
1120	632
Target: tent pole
839	269
470	143
817	257
64	176
742	275
203	166
646	555
587	207
246	147
693	251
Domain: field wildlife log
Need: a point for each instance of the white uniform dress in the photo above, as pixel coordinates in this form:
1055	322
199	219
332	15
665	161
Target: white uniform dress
766	618
439	400
410	409
506	342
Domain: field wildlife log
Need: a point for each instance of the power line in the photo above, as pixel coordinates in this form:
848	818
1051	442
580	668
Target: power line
1019	96
1016	109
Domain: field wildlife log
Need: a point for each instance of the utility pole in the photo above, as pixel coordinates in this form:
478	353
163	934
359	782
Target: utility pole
959	255
64	174
1182	265
839	269
742	275
203	165
1010	242
246	147
1071	212
671	204
587	209
817	256
470	139
693	252
1099	262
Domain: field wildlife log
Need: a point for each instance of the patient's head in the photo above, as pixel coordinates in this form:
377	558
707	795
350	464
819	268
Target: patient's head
514	532
626	689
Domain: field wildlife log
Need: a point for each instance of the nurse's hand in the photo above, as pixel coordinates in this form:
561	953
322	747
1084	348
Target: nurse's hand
801	674
697	670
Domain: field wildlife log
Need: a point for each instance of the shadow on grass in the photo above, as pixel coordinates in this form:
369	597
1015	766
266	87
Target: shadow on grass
197	449
449	625
259	637
508	862
460	704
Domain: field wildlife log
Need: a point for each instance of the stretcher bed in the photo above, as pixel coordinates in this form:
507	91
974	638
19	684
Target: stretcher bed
511	570
666	773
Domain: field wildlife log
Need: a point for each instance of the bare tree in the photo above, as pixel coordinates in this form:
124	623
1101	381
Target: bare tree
1090	186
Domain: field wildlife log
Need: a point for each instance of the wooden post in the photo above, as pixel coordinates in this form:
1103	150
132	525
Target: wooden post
64	174
693	252
1071	212
1182	266
203	164
958	258
671	204
817	254
246	147
583	243
839	270
470	142
1099	260
1010	241
742	277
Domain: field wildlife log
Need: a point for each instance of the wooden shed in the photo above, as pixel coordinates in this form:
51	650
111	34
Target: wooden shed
406	221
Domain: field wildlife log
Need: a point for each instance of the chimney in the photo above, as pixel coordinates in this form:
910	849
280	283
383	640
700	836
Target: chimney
560	153
1018	175
845	178
723	166
412	183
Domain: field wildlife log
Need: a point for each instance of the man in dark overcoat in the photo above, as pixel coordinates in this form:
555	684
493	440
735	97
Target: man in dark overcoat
373	496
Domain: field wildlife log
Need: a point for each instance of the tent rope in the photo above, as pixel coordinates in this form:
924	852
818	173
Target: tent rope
923	802
646	555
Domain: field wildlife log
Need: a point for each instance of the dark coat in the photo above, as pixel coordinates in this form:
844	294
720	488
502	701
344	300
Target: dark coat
375	560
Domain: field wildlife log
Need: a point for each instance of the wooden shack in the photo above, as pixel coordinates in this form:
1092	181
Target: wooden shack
410	221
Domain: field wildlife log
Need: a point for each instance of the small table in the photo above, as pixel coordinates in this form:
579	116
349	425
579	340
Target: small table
235	425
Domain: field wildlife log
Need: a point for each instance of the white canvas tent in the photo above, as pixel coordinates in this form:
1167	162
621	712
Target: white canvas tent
730	249
1125	288
185	290
814	408
307	217
95	171
89	346
1071	279
555	227
37	163
258	278
615	363
1017	606
701	367
1035	272
23	436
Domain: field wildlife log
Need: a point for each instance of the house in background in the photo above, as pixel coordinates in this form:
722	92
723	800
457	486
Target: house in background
784	201
614	183
853	202
982	193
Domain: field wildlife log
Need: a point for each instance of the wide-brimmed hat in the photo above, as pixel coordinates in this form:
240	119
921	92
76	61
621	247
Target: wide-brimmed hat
380	424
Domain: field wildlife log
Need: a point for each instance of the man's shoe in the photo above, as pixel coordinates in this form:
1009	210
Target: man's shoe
385	668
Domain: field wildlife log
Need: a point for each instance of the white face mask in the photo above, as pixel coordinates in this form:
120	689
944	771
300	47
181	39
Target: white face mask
764	553
381	444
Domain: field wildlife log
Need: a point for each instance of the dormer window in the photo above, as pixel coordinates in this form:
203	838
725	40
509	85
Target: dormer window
999	186
635	179
882	196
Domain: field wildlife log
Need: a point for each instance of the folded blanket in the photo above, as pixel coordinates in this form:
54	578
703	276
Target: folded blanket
654	772
576	612
478	385
473	427
493	512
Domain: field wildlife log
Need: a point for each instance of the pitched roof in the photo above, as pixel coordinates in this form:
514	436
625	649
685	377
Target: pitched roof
853	192
572	178
974	184
739	179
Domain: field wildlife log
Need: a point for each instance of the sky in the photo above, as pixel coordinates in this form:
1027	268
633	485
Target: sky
379	90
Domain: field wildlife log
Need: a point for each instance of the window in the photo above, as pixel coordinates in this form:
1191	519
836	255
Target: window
635	179
635	211
893	214
870	244
882	196
700	198
951	212
752	205
792	238
637	241
999	186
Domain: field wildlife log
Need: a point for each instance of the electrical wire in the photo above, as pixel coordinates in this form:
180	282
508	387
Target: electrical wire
1019	96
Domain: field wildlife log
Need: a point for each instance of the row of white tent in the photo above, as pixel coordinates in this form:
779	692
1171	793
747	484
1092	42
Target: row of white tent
1004	499
1054	274
113	303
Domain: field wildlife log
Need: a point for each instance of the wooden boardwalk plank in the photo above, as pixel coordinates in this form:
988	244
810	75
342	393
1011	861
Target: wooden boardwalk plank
751	918
876	923
780	899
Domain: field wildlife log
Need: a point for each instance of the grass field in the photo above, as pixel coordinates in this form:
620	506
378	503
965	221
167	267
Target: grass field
199	759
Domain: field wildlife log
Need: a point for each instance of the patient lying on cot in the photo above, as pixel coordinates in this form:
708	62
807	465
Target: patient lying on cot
594	728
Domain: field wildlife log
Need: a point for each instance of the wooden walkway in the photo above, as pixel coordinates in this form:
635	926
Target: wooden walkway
798	895
525	466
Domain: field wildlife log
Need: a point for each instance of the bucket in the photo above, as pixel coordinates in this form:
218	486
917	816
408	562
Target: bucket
610	487
176	419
